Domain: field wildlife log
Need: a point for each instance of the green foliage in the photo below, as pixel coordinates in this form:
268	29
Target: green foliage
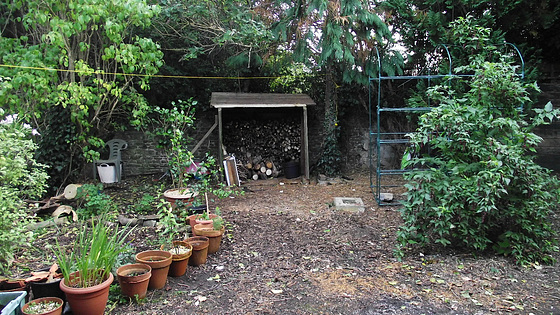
531	25
100	63
218	223
477	185
169	222
21	177
348	32
171	127
144	205
93	254
293	76
93	201
213	27
56	149
207	179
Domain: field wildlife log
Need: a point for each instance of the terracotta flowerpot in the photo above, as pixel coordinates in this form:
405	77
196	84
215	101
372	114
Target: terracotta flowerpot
86	301
214	236
56	311
200	250
184	195
159	260
179	260
197	219
134	279
13	285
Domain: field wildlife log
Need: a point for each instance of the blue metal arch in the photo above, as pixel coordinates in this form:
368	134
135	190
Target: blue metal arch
377	136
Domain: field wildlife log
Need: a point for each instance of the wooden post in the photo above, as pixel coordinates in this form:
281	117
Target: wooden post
220	136
305	143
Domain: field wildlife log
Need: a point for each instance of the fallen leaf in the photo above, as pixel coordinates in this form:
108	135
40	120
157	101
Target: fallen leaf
476	302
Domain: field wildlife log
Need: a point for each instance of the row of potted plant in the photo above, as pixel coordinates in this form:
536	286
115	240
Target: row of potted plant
153	266
86	267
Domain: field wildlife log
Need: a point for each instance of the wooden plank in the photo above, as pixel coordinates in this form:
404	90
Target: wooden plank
233	100
197	146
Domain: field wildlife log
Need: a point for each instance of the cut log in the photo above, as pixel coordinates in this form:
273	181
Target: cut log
71	191
260	144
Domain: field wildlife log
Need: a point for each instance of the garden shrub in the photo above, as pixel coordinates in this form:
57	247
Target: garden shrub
93	202
21	177
479	187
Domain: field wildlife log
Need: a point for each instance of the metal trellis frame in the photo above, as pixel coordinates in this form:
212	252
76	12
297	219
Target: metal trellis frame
378	138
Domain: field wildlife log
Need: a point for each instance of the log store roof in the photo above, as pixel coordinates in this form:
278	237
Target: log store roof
259	100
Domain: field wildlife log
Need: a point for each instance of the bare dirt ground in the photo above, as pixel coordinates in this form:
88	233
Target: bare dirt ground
289	251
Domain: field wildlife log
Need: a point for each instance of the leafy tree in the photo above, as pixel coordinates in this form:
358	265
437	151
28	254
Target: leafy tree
101	64
480	188
335	38
529	23
210	38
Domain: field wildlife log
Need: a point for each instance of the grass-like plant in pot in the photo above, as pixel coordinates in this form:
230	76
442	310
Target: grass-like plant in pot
86	267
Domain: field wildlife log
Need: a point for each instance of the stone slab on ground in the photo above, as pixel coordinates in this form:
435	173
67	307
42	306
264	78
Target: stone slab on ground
349	204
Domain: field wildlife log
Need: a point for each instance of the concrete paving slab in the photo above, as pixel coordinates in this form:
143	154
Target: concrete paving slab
349	204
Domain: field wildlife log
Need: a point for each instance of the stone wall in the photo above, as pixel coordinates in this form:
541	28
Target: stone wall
549	149
142	156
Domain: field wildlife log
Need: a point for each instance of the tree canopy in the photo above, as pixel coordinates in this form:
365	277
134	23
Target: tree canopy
83	56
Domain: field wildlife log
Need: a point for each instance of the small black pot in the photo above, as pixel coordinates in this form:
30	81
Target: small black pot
46	289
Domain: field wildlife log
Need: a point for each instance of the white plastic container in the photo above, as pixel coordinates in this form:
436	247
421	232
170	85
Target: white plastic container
107	173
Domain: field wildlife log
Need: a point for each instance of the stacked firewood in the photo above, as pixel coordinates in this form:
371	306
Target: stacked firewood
261	147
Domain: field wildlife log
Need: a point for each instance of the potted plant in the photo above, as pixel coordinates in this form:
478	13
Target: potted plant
199	250
168	231
159	261
203	218
170	127
190	179
181	251
43	306
46	283
213	232
86	267
134	280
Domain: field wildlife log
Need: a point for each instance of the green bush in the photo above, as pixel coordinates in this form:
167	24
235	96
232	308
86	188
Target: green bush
21	177
479	187
93	202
